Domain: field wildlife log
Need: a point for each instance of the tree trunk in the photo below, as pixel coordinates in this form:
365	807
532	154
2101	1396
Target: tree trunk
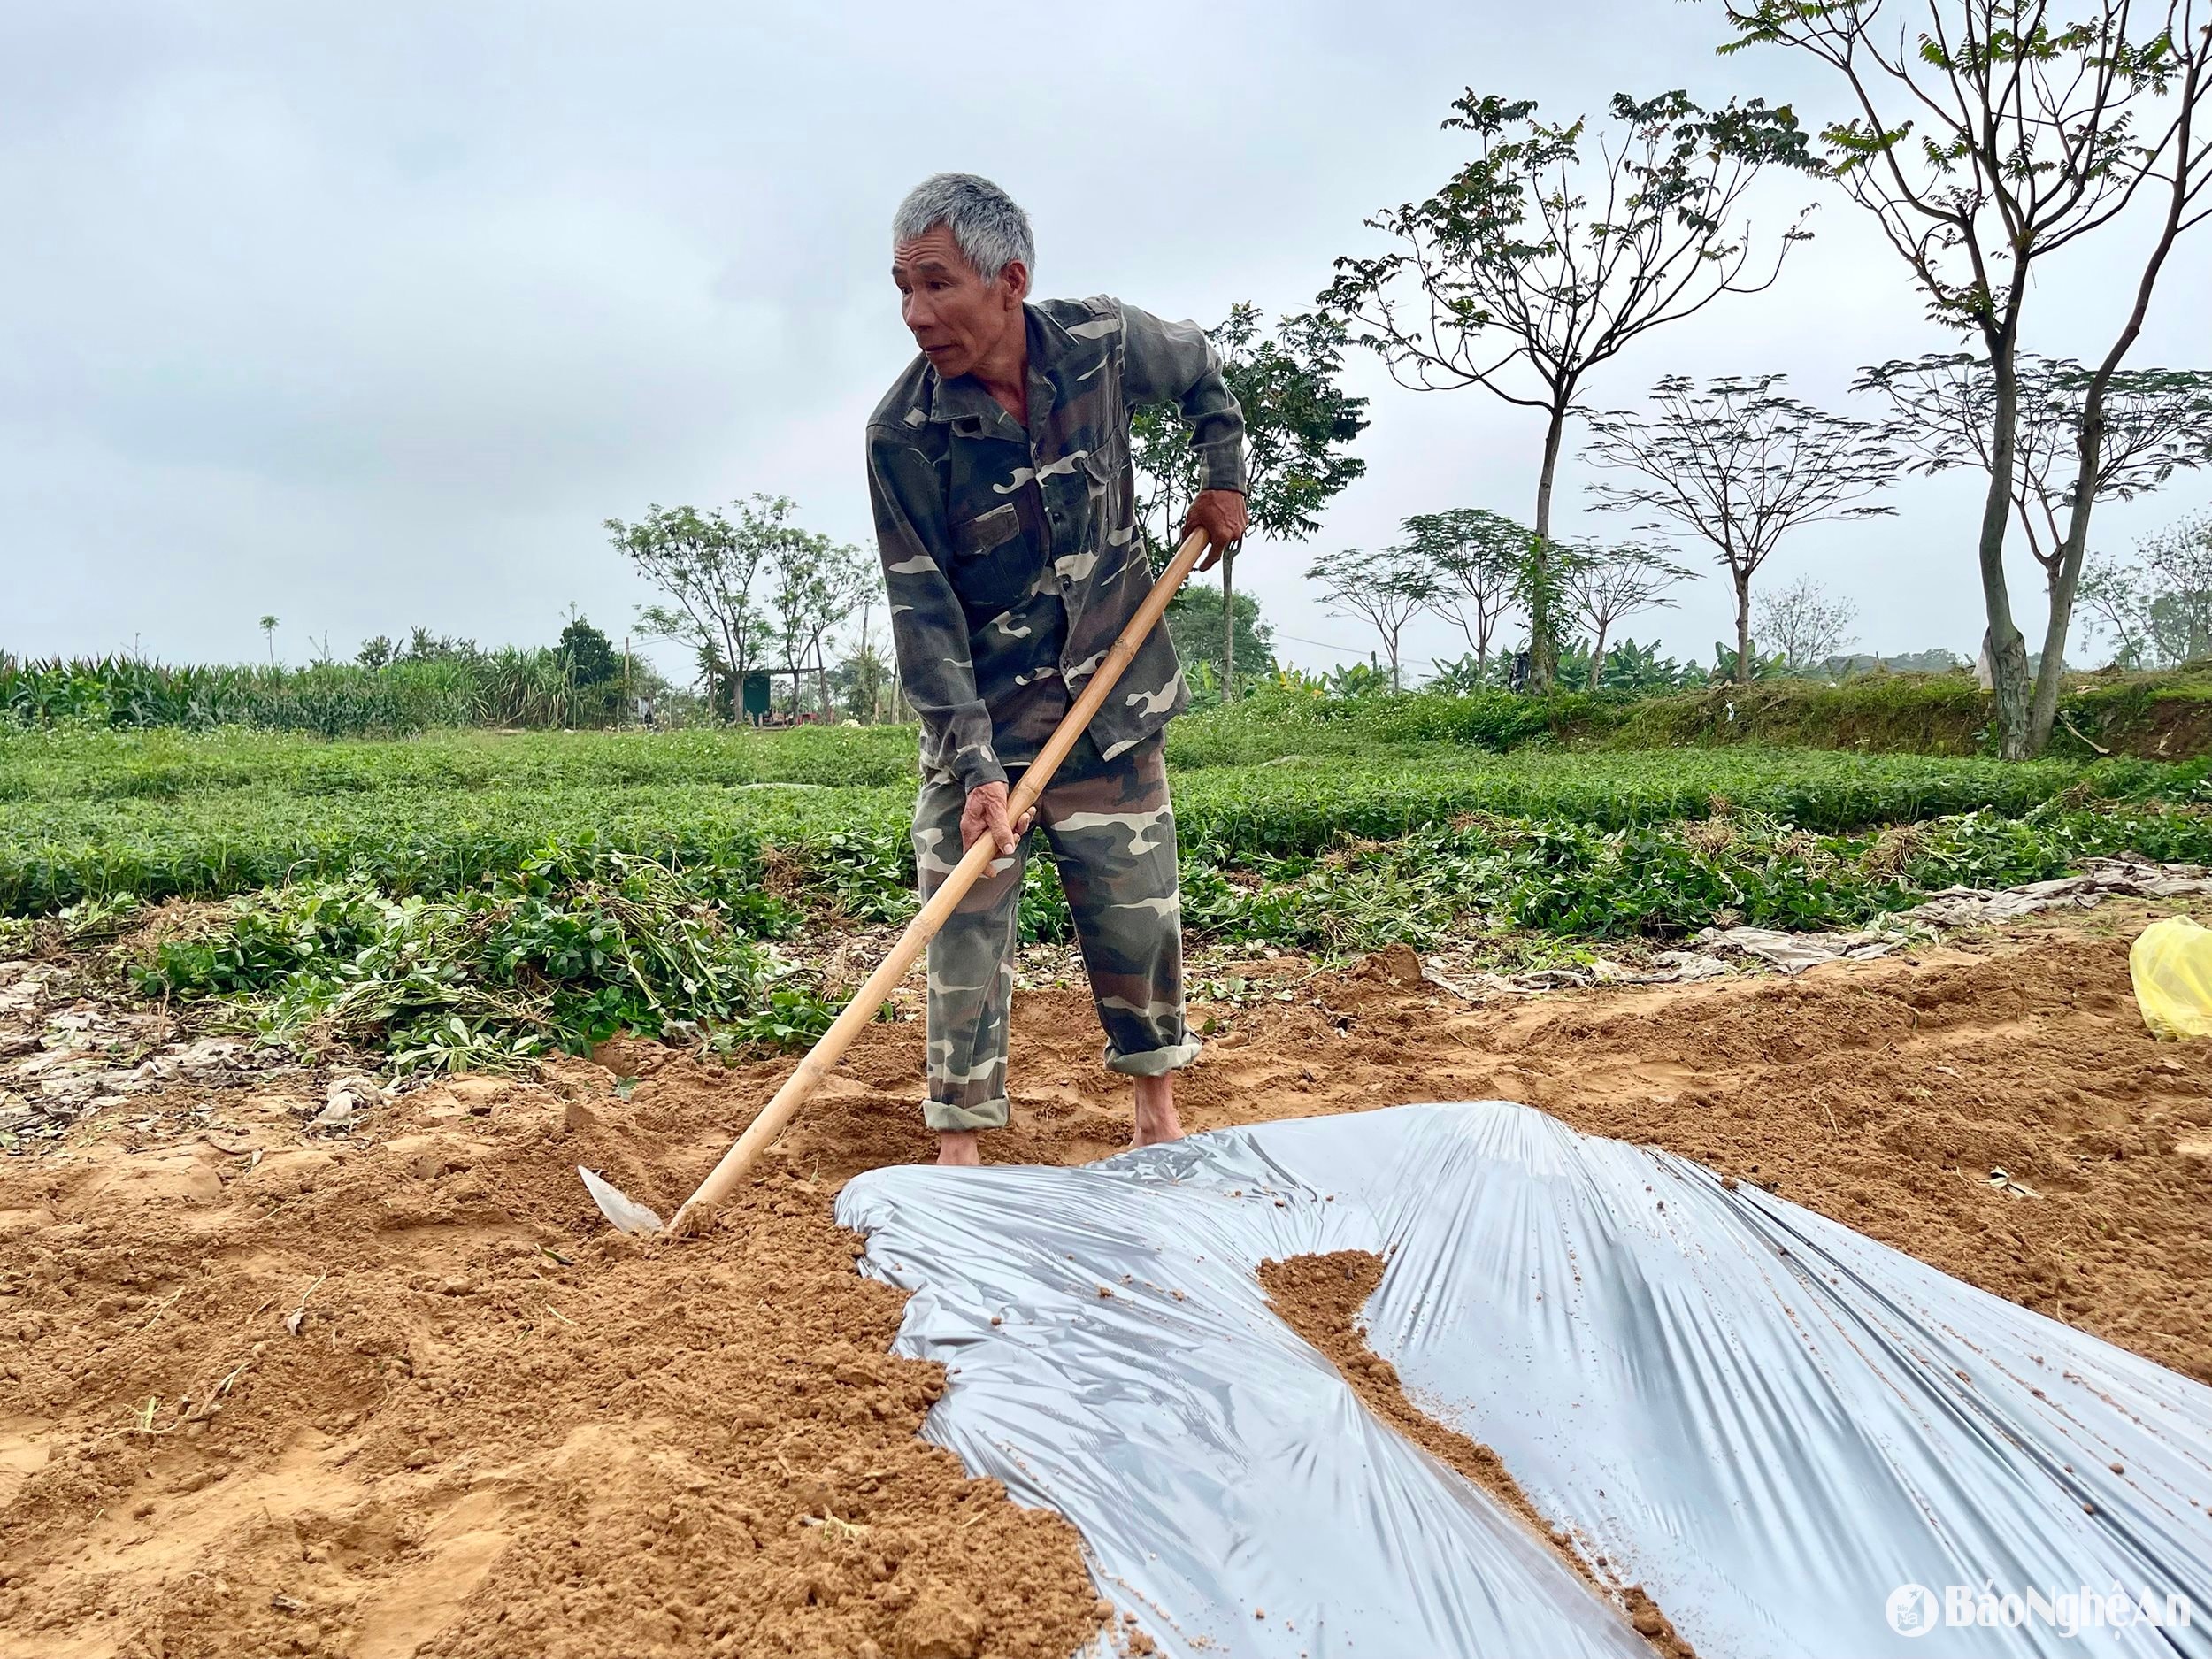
1543	649
1394	686
1597	657
1743	624
1228	629
2090	448
2008	647
2043	711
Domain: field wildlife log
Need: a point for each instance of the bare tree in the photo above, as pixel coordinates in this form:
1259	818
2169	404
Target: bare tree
1476	556
2113	595
1606	585
1806	623
2156	422
1985	136
1740	464
1387	589
1530	269
2158	605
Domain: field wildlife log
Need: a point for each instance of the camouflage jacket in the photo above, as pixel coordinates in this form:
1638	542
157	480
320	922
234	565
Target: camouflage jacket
1012	557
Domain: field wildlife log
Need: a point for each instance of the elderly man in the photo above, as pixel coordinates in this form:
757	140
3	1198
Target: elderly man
998	467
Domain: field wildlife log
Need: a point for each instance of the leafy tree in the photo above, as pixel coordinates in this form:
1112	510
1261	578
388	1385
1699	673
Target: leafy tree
591	657
423	646
2112	593
1385	589
1606	585
1740	464
268	632
709	566
1194	622
866	679
861	683
377	652
1984	139
2156	422
2158	606
1478	556
1299	424
1637	669
1806	623
813	585
593	670
1743	667
1536	263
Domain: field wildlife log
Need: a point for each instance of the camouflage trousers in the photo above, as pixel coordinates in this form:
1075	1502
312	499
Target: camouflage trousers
1112	835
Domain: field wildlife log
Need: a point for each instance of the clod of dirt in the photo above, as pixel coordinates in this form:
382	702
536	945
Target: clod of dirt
1320	1297
1393	964
937	1626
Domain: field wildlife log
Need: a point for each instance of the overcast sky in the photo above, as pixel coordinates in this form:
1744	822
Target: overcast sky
369	317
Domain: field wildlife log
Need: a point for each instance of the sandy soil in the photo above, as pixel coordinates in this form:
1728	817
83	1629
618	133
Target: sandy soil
399	1390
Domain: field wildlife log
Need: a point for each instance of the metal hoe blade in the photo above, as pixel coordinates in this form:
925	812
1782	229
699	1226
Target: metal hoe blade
624	1212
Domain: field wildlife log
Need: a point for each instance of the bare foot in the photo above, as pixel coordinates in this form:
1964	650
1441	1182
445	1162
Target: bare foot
1157	1122
959	1149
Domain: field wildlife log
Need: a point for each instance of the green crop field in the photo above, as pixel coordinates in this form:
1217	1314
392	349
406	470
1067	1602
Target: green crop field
466	897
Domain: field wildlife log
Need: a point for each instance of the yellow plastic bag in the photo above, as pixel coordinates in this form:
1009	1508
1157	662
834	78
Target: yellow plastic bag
2171	965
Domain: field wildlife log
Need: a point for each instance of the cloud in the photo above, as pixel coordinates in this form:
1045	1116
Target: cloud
371	317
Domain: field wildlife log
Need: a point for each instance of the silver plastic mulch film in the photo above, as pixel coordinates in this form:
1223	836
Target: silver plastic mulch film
1800	1442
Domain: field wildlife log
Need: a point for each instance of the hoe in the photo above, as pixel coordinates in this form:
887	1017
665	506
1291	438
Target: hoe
738	1161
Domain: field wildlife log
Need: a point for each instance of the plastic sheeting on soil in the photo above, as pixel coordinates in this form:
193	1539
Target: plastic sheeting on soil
1771	1422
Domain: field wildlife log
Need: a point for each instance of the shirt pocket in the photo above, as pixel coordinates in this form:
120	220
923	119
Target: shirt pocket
994	563
973	537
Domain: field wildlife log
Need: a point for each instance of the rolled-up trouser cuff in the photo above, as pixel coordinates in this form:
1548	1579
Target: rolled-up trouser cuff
943	1118
1152	1062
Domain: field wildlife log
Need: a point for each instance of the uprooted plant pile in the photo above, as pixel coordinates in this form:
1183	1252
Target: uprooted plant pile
560	953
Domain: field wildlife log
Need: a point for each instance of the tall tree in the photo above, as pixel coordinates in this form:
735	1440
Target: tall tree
1299	424
1606	585
593	671
1740	465
1385	589
814	583
1193	621
268	632
1986	137
2156	422
1477	555
1806	623
1536	263
709	566
589	655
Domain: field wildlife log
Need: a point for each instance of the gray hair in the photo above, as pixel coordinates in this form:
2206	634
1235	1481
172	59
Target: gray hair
988	224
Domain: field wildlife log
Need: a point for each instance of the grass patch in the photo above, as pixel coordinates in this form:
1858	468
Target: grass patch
60	848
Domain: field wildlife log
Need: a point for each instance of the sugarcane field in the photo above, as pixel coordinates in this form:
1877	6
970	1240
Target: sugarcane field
1145	995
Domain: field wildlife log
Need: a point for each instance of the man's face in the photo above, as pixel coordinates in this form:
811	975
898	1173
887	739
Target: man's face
956	318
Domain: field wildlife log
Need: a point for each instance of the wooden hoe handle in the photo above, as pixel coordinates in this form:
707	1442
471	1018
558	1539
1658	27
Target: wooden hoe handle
739	1160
